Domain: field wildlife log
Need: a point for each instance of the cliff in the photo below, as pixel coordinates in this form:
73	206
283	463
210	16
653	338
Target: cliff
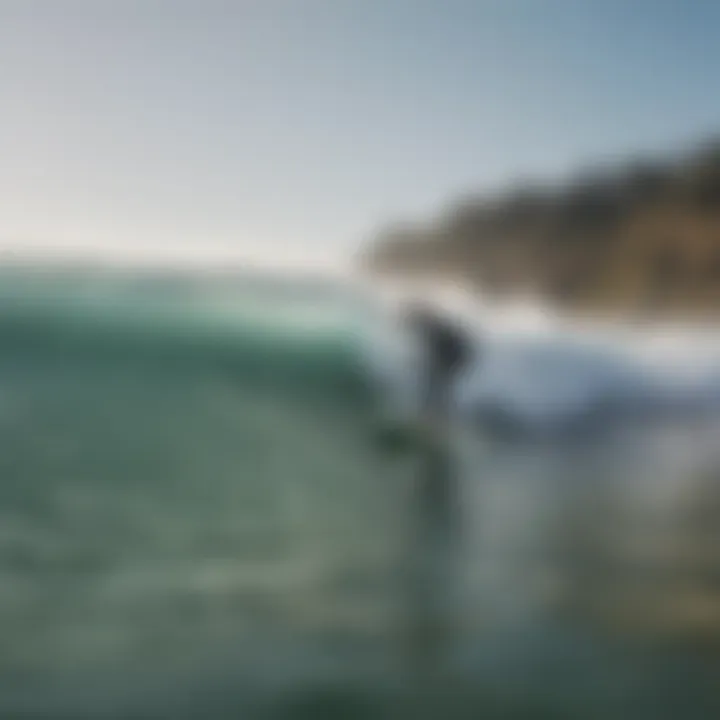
643	237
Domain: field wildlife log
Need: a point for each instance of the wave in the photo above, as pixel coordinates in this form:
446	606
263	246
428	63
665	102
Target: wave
538	372
187	467
533	370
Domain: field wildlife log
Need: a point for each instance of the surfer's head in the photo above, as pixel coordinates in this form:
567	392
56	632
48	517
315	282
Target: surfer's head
418	316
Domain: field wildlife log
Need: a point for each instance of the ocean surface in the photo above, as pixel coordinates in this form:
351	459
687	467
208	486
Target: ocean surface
197	518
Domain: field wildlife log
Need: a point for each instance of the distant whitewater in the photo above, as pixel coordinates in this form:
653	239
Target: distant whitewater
544	372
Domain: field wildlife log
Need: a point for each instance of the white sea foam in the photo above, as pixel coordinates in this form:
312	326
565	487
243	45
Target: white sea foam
544	368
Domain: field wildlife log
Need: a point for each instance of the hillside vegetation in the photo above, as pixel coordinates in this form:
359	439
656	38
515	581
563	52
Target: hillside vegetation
643	237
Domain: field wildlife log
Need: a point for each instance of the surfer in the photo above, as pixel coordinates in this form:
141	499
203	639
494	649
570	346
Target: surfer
446	350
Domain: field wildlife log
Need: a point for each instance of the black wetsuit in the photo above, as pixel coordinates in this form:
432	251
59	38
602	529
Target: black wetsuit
447	350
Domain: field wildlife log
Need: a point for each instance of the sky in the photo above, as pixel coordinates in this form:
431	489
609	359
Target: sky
295	129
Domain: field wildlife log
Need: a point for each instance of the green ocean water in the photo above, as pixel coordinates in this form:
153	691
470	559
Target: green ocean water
195	521
177	471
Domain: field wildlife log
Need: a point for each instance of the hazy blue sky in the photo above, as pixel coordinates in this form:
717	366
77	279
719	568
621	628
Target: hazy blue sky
274	126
